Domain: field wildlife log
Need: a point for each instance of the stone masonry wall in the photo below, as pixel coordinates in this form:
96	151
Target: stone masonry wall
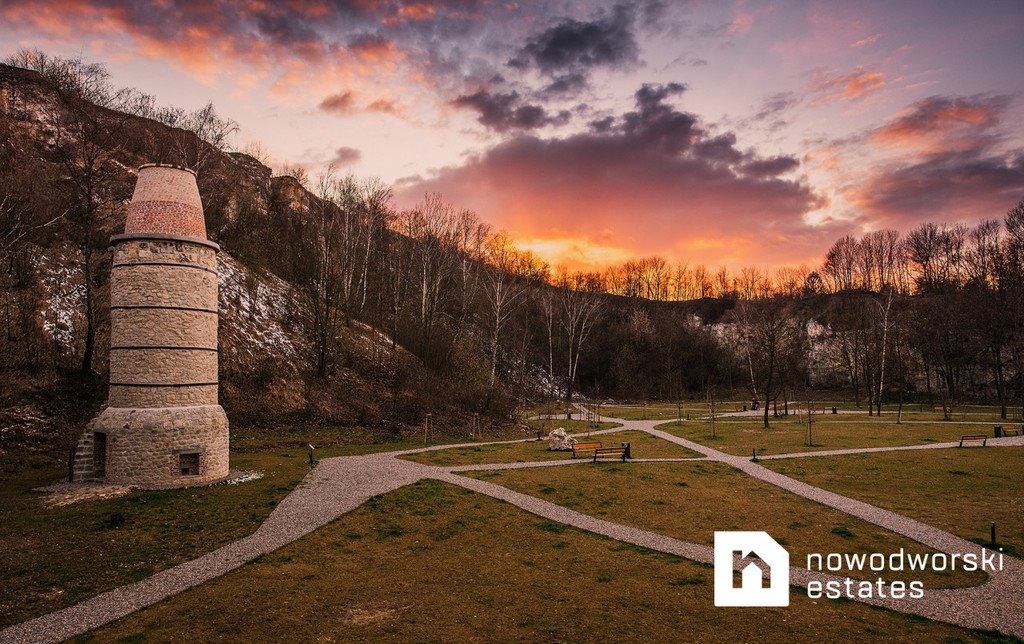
134	396
163	324
143	444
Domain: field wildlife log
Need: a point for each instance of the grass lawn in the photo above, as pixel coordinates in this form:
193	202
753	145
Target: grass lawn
545	427
787	436
549	408
642	445
697	410
664	411
54	557
959	490
690	501
432	562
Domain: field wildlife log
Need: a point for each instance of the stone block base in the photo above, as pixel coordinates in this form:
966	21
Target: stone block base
155	448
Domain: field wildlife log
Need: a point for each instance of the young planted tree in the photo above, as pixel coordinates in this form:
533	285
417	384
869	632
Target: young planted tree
884	319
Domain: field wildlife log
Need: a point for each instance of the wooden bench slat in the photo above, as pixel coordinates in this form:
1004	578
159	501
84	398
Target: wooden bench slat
610	451
583	447
974	437
1010	429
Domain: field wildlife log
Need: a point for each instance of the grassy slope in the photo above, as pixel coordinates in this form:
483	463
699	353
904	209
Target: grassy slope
432	562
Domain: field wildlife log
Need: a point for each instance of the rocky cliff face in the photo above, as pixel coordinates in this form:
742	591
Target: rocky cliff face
261	339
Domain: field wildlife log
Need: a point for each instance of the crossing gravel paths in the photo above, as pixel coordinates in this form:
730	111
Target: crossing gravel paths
339	485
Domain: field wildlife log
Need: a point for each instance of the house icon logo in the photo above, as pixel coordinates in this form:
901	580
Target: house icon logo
733	551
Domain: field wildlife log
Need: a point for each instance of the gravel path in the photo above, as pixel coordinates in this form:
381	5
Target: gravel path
338	485
335	486
991	606
1010	441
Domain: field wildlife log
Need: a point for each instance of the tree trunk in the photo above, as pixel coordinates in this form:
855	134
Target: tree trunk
90	317
1000	381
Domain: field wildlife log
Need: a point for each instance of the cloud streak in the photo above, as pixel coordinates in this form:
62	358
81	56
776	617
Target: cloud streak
946	164
503	112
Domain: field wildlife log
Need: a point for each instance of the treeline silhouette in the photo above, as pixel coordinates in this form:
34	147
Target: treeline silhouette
464	322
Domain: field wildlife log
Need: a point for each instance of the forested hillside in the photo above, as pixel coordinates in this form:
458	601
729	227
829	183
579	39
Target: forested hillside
339	309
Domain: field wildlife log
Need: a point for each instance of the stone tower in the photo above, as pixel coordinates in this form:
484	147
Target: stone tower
163	426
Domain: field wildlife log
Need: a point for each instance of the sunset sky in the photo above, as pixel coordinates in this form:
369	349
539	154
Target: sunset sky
708	132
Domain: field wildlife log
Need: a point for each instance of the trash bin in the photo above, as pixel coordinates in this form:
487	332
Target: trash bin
625	446
744	408
835	410
998	431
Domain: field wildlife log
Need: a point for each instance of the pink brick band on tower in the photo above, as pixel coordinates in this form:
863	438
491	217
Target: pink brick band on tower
166	202
165	218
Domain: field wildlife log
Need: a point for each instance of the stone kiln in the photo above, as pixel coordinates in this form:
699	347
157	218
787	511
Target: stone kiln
163	426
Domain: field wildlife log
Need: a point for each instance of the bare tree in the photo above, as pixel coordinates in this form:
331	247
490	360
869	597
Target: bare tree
88	129
431	225
505	287
774	338
317	266
883	312
581	306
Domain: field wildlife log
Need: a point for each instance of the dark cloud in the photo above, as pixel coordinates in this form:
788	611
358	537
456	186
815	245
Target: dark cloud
654	161
951	166
764	168
570	84
719	149
657	123
340	103
603	124
575	46
506	111
346	156
952	187
286	29
775	105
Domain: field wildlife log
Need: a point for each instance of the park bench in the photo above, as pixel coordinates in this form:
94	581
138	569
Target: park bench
1008	430
610	452
585	447
974	437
